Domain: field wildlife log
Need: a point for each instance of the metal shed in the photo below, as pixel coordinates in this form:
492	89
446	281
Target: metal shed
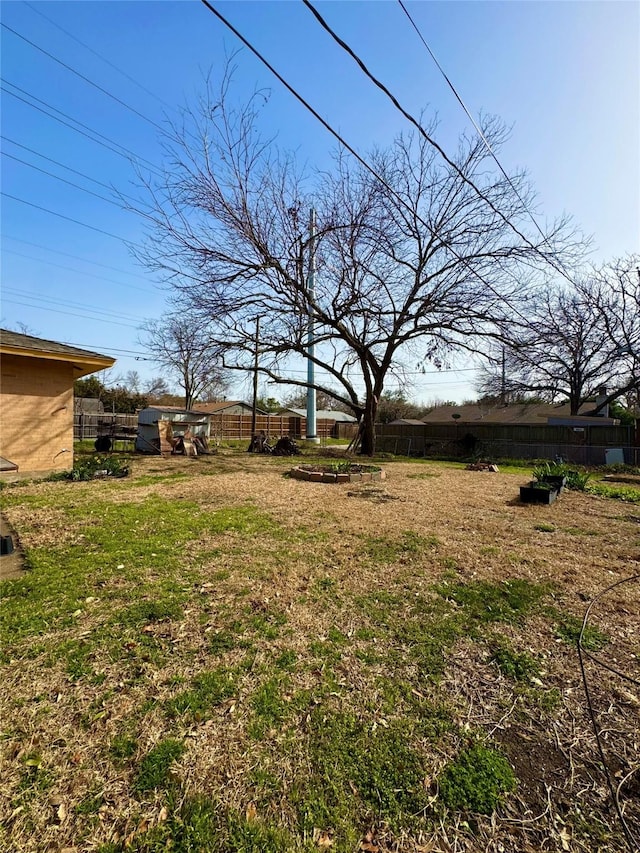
181	420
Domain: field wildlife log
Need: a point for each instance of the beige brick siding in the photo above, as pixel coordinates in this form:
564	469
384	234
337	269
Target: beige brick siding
36	413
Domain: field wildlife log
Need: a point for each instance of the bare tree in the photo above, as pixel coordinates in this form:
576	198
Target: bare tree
184	346
412	262
132	381
618	304
576	340
156	386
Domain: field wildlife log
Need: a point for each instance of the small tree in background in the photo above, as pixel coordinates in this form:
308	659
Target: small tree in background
184	346
575	340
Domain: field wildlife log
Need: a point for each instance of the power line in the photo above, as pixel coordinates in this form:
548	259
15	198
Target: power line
82	77
80	272
62	216
39	297
63	180
410	118
70	313
477	127
353	152
66	254
129	155
99	55
558	268
124	352
57	163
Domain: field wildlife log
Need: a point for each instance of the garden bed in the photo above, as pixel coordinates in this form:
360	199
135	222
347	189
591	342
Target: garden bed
339	473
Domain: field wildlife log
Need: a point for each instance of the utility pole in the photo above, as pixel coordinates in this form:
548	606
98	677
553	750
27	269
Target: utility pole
254	410
311	284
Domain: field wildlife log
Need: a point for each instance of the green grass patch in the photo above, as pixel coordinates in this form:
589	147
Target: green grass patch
207	691
508	601
148	611
200	825
122	747
519	666
385	550
476	781
268	706
123	541
155	767
569	628
359	774
579	531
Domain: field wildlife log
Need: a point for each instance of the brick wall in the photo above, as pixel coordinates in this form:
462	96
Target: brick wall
36	413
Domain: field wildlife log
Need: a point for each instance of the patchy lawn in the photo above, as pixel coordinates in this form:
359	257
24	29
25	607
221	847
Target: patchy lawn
210	656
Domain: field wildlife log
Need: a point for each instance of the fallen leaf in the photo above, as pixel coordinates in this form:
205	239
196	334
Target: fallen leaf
322	839
62	812
164	814
251	812
565	838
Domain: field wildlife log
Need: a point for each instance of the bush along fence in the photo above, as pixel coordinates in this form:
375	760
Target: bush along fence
584	445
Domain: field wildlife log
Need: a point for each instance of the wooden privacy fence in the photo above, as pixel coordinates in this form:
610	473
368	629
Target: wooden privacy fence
90	426
583	445
223	426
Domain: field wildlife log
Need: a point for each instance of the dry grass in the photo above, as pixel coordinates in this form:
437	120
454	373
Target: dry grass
312	605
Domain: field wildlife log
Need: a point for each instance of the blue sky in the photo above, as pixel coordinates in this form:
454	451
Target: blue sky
564	75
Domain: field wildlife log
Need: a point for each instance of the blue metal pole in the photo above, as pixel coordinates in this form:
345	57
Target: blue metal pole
311	283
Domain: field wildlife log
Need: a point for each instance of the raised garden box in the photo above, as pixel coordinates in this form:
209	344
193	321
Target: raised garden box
534	493
558	481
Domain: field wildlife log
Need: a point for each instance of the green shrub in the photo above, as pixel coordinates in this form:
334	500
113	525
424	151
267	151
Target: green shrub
92	467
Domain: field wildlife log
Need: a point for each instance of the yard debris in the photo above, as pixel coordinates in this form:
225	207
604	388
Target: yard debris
483	466
284	446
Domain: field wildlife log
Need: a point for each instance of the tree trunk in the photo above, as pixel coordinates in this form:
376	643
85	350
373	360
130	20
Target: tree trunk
368	427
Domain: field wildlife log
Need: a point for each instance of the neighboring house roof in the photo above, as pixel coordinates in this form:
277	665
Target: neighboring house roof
83	361
175	410
214	408
515	413
406	422
324	415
